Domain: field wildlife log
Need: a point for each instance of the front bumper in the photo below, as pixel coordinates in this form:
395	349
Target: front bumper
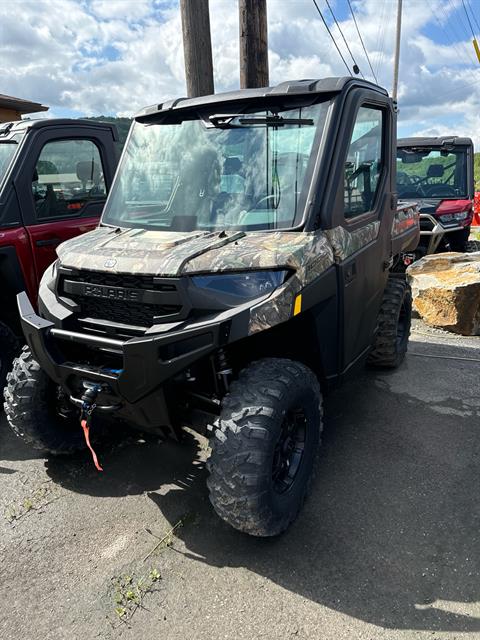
148	362
432	231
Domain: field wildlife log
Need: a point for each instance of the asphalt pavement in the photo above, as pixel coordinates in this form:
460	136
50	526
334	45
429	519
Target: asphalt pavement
386	547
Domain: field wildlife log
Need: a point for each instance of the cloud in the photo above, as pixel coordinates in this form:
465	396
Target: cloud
115	56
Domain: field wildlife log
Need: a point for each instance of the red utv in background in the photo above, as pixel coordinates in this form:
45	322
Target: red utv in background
437	174
54	179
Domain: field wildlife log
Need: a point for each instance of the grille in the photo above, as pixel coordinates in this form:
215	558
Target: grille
141	315
127	312
119	280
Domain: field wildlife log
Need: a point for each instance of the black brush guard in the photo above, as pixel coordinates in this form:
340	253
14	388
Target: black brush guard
136	388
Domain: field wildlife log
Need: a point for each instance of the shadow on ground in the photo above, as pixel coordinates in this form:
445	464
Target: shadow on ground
390	534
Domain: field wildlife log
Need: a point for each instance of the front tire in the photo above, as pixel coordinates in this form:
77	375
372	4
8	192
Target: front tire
31	405
394	322
472	246
458	240
265	446
9	346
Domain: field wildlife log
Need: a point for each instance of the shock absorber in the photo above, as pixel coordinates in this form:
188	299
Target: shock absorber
223	368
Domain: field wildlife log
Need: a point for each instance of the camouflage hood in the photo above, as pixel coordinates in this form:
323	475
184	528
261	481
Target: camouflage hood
168	253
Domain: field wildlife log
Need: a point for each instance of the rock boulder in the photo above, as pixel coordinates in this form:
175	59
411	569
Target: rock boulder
446	291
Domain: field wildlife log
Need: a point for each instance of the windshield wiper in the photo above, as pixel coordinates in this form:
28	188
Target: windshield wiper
226	120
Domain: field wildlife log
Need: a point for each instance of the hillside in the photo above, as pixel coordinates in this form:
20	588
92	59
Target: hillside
122	124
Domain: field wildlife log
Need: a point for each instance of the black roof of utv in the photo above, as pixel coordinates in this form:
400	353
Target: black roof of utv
290	88
8	128
441	141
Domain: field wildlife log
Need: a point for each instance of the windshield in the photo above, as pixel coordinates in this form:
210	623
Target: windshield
8	149
427	173
215	172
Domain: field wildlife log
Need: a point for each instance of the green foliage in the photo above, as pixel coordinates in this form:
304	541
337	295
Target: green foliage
476	171
420	168
122	124
45	167
129	591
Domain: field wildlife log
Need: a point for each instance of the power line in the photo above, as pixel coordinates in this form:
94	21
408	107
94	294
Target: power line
461	57
361	40
356	68
456	33
468	19
331	35
473	15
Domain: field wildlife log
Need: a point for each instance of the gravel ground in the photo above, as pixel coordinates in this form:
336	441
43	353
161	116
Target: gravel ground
386	547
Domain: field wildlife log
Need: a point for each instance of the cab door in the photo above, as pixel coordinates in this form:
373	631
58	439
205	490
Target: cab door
365	225
63	192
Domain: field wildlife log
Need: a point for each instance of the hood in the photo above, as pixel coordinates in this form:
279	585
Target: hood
437	206
170	254
425	205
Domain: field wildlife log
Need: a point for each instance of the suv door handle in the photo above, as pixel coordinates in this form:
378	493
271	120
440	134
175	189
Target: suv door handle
47	243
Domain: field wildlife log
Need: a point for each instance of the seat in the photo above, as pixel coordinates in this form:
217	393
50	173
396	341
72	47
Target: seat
46	203
435	171
88	170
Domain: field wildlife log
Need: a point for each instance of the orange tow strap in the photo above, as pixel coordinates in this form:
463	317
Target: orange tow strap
86	430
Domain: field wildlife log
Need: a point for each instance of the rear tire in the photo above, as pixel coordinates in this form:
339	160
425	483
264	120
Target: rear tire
31	409
394	322
9	346
265	446
471	246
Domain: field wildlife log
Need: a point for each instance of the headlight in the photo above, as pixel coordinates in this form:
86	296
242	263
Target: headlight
243	286
454	217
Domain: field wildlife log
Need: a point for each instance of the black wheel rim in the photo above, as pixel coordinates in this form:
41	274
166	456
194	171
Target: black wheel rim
289	451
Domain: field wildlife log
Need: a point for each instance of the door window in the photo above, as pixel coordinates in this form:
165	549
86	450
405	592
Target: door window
67	176
364	162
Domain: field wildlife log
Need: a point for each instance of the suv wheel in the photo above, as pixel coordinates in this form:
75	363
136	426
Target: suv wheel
458	240
265	446
394	321
471	246
8	349
33	409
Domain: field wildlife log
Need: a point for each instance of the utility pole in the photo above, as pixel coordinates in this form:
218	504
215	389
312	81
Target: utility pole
397	49
197	47
253	43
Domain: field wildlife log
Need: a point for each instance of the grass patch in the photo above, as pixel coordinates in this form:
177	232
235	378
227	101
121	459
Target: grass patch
38	499
129	592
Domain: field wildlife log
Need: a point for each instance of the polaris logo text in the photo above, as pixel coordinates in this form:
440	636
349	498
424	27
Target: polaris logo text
113	293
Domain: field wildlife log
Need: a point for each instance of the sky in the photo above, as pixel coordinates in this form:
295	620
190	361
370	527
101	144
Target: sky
112	57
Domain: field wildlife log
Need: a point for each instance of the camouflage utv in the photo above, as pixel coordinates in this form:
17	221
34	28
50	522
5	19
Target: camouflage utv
248	258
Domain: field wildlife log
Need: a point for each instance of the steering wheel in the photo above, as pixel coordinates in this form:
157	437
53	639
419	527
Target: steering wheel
438	190
262	203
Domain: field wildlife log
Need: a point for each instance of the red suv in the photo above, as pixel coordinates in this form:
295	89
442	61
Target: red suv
54	179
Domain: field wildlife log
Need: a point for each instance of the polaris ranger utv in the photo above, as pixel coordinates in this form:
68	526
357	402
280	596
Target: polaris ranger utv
246	260
437	173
